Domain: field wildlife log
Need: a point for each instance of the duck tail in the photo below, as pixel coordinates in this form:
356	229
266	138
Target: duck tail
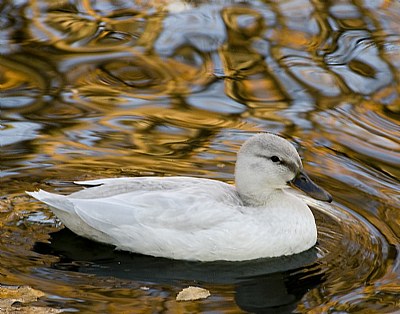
60	202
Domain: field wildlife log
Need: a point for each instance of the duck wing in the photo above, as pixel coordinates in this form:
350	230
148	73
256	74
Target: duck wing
180	206
146	214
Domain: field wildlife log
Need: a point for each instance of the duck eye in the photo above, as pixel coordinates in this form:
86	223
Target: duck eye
275	159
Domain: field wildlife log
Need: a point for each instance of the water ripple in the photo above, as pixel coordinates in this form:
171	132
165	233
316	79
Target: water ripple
26	82
361	130
357	60
117	88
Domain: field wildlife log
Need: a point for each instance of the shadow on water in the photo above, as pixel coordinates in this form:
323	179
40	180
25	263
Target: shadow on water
273	285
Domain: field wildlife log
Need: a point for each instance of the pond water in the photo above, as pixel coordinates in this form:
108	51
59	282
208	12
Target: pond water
93	89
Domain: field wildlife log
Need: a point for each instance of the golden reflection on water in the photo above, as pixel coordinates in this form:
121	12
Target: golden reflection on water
116	88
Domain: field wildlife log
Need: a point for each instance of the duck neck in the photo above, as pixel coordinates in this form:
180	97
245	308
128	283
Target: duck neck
258	197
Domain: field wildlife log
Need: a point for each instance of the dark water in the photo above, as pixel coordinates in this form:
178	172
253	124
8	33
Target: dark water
94	89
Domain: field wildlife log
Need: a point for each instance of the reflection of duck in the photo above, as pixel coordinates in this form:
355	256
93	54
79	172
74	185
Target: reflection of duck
272	285
201	219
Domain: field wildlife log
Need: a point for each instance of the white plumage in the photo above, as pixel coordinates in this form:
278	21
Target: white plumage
199	219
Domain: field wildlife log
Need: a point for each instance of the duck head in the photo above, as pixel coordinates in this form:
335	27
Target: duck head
267	162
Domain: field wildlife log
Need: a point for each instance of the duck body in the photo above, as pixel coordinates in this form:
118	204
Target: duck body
192	218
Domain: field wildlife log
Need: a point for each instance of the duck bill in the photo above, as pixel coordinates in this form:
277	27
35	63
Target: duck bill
304	183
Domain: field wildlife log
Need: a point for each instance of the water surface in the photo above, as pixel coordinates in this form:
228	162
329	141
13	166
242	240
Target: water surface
94	89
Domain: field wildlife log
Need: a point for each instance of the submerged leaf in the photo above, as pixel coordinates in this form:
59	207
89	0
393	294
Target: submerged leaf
192	293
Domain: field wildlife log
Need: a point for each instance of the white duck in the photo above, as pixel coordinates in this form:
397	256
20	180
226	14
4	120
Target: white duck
201	219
